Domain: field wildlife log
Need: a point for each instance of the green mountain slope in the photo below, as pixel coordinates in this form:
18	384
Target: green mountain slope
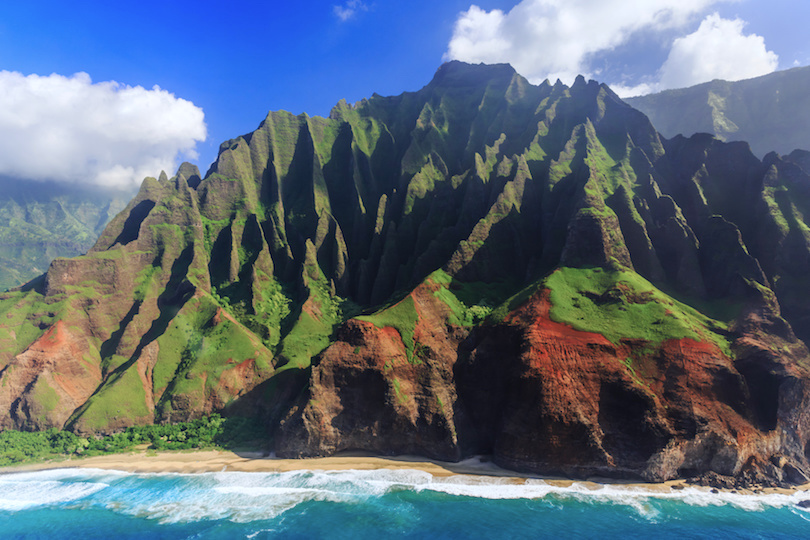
771	113
40	221
482	266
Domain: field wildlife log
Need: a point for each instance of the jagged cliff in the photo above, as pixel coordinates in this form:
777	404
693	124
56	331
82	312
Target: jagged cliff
482	266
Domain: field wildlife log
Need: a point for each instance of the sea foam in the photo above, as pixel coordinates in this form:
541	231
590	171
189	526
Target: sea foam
27	490
243	497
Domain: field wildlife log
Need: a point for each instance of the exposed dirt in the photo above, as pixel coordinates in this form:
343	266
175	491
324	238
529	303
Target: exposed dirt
45	384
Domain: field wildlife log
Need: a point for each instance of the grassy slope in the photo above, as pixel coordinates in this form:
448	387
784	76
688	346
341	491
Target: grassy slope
622	304
402	317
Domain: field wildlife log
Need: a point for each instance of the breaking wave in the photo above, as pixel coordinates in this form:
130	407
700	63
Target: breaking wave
92	503
244	497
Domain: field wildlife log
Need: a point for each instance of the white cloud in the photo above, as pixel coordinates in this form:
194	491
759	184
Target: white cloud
641	89
70	129
718	49
556	38
349	9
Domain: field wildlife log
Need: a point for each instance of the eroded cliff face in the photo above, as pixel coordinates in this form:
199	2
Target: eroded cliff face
659	411
544	397
483	266
370	391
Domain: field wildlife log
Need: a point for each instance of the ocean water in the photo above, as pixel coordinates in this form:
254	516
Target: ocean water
91	503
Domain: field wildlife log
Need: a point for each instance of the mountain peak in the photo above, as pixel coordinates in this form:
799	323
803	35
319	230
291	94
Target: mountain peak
457	73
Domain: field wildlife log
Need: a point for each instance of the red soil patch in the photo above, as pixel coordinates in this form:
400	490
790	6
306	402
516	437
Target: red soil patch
556	348
237	378
375	347
54	338
536	314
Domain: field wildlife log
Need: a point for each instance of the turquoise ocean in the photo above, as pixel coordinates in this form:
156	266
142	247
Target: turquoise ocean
92	503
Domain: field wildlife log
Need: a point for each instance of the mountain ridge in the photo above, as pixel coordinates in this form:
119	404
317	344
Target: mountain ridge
769	112
386	278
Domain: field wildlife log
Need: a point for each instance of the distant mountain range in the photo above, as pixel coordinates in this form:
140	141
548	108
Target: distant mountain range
771	113
483	266
40	221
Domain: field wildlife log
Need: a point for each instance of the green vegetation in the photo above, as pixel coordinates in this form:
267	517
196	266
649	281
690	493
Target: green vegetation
17	447
181	337
313	328
24	316
401	317
470	303
422	183
212	228
621	304
219	347
402	399
122	398
198	348
45	396
309	336
145	282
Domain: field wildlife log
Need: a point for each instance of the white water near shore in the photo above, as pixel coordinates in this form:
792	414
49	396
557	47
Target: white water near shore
248	496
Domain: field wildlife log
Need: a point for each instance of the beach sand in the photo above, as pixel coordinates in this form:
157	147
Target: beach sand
201	461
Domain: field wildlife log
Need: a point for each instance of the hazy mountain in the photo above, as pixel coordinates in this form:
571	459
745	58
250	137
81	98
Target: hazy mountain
40	221
482	266
771	113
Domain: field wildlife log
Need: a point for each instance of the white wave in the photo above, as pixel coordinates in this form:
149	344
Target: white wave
637	497
243	497
238	497
488	490
262	491
802	513
27	490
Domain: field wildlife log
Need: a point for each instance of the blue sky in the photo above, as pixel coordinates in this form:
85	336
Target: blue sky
236	61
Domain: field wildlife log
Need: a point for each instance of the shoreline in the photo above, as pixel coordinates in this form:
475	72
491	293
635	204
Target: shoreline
208	461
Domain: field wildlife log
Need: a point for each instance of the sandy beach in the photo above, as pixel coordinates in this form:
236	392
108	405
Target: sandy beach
202	461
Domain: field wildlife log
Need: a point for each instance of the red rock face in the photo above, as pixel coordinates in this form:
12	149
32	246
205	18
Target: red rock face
364	393
47	382
543	397
573	402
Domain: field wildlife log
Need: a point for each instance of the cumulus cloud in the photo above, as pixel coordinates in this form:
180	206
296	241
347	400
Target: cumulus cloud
349	9
71	129
718	49
556	38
